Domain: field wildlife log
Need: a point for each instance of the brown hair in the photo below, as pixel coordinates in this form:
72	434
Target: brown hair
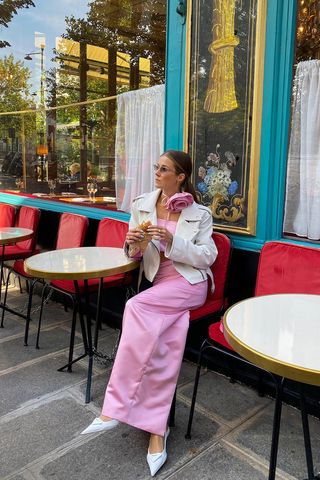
182	164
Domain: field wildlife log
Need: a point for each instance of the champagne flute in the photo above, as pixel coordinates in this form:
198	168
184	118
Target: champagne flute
94	190
18	183
90	189
52	186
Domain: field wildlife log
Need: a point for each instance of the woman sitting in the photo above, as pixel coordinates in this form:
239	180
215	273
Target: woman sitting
173	236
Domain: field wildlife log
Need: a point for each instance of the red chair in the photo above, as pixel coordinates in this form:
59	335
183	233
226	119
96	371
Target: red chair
71	233
111	233
28	217
7	215
216	302
283	268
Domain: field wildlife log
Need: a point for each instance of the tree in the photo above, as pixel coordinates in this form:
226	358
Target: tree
15	94
8	8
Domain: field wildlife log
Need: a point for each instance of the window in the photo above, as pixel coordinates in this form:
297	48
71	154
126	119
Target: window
62	65
302	203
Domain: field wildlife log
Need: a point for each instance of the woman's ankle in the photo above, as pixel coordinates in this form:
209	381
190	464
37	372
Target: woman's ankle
156	443
105	418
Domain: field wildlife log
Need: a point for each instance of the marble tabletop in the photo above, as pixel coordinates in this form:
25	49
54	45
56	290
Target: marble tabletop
9	235
79	263
280	333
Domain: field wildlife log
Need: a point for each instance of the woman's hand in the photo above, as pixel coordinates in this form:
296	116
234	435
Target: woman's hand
160	233
136	235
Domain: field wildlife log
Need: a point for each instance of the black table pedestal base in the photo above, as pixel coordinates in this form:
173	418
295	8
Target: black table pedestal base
86	334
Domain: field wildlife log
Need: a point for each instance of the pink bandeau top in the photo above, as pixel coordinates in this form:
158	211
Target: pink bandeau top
170	225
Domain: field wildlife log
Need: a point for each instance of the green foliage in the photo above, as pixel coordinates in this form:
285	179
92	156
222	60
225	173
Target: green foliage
15	95
8	8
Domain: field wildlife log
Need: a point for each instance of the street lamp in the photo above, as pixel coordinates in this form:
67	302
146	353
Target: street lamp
29	56
42	149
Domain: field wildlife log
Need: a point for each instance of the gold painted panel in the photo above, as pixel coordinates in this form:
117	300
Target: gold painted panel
224	86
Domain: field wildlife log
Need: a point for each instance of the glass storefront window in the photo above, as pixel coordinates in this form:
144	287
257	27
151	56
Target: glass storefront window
302	203
62	65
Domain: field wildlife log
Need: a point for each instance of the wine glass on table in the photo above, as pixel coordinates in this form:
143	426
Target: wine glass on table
94	190
18	182
52	185
90	188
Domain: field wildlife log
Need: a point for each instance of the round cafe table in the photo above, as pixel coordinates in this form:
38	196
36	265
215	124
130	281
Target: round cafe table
10	236
81	264
281	334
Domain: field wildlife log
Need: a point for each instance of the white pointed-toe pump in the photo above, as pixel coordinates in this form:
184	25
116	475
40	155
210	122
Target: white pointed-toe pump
99	425
156	460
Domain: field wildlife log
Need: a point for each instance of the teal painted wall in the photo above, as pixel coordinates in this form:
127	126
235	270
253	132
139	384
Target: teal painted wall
175	73
52	206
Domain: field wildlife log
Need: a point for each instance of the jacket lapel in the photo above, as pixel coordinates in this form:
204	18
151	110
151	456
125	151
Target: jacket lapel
148	206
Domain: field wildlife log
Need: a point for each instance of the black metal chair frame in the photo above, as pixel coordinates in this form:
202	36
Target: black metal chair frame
279	384
31	282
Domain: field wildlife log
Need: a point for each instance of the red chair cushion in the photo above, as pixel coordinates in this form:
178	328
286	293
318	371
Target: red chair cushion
215	301
220	266
13	252
18	267
7	214
111	233
209	308
93	284
217	336
288	268
72	231
28	218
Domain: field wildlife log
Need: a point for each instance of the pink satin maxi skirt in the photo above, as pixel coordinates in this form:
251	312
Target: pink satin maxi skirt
148	361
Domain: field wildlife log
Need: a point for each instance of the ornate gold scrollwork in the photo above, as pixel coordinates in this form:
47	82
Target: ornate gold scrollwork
231	212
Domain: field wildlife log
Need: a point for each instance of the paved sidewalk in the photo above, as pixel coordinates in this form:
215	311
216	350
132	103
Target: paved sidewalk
42	413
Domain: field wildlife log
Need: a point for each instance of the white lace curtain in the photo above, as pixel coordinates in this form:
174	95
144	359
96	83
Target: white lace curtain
139	142
302	206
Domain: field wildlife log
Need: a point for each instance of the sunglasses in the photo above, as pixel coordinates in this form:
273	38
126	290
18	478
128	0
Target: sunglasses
162	168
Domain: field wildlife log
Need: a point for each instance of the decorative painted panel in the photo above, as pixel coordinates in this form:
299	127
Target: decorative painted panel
225	49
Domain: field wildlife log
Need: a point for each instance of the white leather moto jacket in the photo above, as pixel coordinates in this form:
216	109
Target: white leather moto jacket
192	251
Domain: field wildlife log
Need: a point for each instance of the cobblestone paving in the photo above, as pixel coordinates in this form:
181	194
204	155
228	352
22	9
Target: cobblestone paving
42	413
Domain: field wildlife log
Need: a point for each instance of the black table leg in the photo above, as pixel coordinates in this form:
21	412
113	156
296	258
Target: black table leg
98	314
90	346
83	332
1	271
306	435
276	429
86	332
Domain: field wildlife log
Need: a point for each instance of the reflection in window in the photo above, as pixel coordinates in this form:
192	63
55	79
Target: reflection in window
62	65
302	204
